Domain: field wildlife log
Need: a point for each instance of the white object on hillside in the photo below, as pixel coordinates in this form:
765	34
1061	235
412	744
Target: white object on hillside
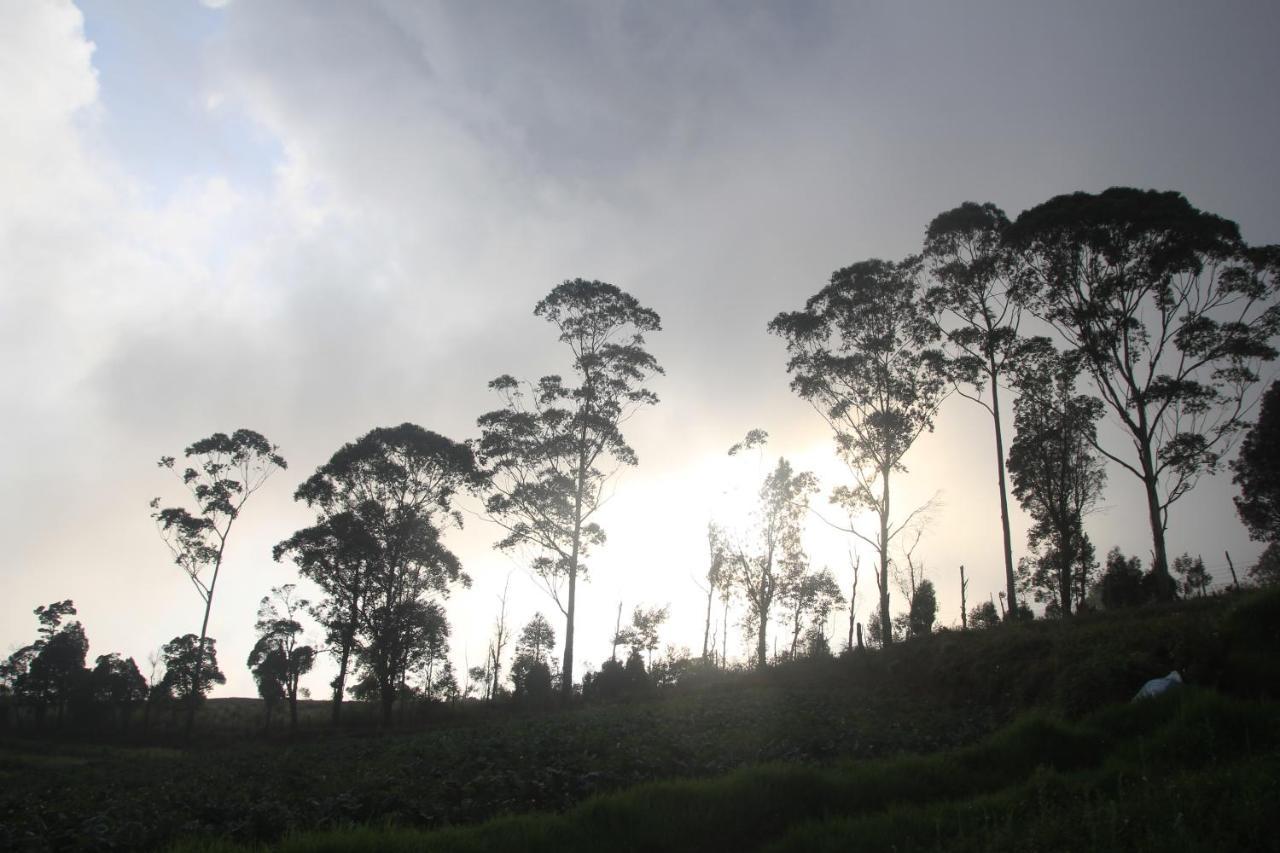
1156	686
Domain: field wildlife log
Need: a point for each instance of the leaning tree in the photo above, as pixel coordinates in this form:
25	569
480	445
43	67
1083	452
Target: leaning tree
551	447
1171	314
223	471
862	354
381	503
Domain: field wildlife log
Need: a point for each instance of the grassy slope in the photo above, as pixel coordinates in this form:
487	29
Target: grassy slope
1196	771
928	695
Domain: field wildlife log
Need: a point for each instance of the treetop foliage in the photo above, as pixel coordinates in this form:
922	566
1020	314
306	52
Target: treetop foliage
862	354
402	469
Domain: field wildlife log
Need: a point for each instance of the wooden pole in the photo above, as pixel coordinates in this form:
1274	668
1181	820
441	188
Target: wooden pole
964	612
1232	566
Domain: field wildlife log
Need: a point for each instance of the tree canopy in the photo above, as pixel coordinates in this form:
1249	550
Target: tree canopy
1170	313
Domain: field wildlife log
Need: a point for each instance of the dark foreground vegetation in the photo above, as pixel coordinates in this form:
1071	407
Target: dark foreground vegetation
1196	767
1189	771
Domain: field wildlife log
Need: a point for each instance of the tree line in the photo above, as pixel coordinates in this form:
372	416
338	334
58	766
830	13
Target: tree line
1145	310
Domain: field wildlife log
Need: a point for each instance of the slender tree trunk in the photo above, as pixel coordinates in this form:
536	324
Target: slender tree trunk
340	683
387	694
853	599
617	628
964	589
198	674
886	624
566	675
1165	587
1064	582
724	638
706	630
762	643
1004	495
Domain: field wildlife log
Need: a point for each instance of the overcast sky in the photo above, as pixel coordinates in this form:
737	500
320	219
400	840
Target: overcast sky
314	218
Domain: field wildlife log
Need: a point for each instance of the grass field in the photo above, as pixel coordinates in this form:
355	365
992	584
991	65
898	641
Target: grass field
795	728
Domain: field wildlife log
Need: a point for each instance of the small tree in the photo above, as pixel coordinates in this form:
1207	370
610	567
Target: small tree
1171	315
984	616
117	684
1194	578
924	609
47	672
807	599
1121	584
270	668
537	638
772	544
544	449
278	654
1057	474
1257	471
861	354
224	471
1040	577
191	670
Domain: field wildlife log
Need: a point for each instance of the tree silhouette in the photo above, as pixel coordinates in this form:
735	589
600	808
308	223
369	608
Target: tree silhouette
808	599
642	634
52	667
224	471
1121	583
397	484
537	638
972	303
191	669
1057	474
1257	471
339	555
1266	571
924	609
771	545
983	616
270	667
544	448
278	653
717	577
1195	578
531	671
861	354
1170	313
118	685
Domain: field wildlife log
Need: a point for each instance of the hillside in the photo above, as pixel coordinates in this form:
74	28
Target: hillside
935	694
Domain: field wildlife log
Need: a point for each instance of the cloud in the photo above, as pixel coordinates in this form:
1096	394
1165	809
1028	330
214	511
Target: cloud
422	173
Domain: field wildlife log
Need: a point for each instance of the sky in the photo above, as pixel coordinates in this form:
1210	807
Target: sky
315	218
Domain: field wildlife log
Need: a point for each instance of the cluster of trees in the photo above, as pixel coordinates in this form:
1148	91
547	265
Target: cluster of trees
1160	309
383	503
1126	304
51	678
